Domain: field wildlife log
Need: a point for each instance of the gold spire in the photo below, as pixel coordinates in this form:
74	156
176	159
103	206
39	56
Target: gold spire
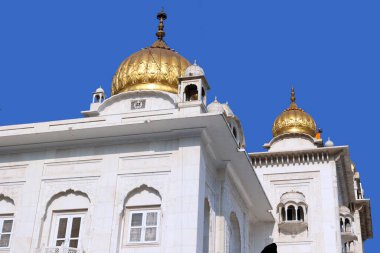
293	96
294	120
293	104
153	68
161	16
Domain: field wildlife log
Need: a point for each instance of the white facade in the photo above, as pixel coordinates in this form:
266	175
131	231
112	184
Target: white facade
151	171
298	171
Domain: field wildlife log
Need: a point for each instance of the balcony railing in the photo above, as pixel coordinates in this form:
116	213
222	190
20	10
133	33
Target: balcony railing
61	249
292	226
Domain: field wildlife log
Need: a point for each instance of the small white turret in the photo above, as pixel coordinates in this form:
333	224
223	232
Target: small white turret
98	96
215	107
194	70
329	143
193	89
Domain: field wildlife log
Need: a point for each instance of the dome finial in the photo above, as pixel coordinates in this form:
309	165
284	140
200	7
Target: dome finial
161	16
293	95
293	104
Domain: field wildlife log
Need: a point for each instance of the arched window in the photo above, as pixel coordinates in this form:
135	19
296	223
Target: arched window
191	92
235	240
206	228
283	214
64	220
346	220
291	213
142	216
347	225
7	210
345	247
295	206
300	214
351	245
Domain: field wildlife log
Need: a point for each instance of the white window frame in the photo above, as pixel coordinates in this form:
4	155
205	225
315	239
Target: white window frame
2	219
144	211
55	225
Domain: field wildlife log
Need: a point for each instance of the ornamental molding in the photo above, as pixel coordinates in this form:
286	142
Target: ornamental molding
11	192
157	185
289	158
138	94
6	199
53	188
293	197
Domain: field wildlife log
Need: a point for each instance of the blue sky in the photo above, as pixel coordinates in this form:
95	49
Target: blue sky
53	54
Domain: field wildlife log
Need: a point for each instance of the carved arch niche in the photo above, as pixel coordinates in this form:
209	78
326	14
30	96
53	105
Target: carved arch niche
7	205
234	234
68	201
140	198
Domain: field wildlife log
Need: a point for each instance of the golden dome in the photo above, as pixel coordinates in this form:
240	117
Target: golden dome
153	68
294	120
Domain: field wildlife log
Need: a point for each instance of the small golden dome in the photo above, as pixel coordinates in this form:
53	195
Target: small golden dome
153	68
294	120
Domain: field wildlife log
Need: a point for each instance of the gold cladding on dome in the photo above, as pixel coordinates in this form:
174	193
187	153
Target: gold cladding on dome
294	120
153	68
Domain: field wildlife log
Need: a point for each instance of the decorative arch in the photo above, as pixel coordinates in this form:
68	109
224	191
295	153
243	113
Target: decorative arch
122	232
140	189
7	204
191	92
282	213
206	226
55	198
346	219
235	240
291	213
63	194
347	225
292	207
6	199
300	213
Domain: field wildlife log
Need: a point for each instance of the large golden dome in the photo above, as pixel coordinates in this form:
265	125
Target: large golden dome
153	68
294	120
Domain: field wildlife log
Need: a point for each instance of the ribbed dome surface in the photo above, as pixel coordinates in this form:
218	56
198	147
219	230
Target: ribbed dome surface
294	120
154	68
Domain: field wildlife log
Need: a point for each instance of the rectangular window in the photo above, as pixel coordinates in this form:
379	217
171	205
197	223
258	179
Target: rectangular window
6	226
67	229
143	226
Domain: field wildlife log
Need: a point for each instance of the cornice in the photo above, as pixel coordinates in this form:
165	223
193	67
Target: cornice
307	156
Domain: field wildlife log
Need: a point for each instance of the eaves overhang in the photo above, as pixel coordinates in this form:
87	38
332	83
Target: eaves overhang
364	207
104	130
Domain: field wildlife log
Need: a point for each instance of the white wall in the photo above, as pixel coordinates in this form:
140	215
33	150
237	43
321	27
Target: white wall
317	181
225	201
104	174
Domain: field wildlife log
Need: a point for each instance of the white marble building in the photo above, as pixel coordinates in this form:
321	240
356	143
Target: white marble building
153	168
